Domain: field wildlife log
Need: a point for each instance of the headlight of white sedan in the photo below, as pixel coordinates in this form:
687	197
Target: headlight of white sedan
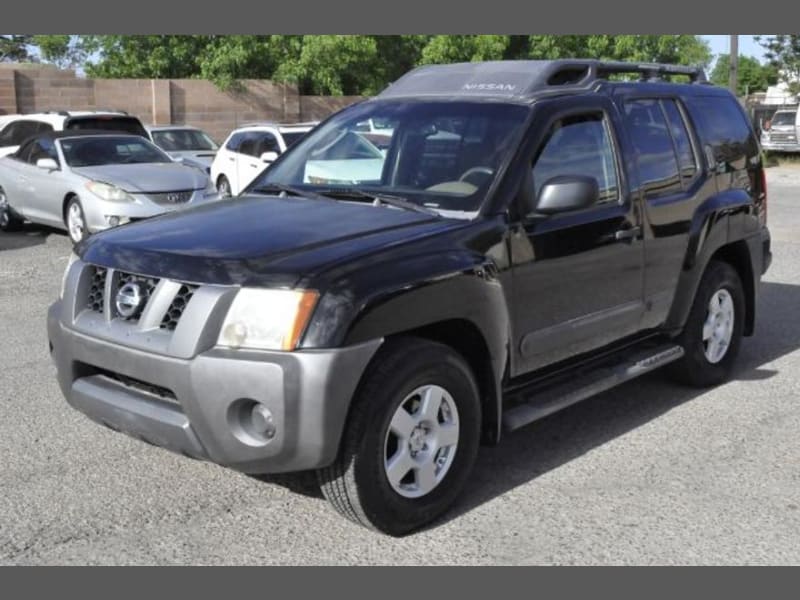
109	192
267	319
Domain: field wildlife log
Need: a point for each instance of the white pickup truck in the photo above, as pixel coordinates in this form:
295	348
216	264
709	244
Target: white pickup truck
783	133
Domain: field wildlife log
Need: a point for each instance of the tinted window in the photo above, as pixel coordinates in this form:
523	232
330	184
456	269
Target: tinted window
18	131
267	143
579	145
234	142
176	140
108	123
657	164
680	135
290	138
723	125
249	144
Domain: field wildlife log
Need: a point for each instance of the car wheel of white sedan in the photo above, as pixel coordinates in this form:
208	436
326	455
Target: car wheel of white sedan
76	221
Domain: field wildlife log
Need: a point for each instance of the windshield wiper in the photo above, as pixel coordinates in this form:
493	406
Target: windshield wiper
378	199
288	189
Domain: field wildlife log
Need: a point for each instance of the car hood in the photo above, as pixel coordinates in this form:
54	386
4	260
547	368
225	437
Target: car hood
257	240
147	178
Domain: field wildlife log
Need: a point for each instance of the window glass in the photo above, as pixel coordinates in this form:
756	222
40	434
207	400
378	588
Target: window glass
723	125
655	153
579	145
179	140
18	131
680	135
249	144
267	143
41	148
235	141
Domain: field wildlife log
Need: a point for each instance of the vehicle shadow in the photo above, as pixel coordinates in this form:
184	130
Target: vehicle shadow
29	235
532	451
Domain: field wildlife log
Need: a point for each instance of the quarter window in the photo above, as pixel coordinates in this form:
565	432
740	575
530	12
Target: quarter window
579	145
658	165
680	135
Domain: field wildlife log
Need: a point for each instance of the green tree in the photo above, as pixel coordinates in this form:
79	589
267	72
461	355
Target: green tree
14	48
464	48
64	51
783	52
145	56
752	76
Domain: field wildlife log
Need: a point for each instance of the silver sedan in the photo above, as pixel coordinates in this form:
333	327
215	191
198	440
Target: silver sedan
86	182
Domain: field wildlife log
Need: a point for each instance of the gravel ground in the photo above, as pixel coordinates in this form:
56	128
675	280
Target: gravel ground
648	473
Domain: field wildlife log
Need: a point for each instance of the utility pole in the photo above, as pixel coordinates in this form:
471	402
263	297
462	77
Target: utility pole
734	62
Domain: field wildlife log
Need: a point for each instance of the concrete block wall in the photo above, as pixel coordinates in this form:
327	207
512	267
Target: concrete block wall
33	88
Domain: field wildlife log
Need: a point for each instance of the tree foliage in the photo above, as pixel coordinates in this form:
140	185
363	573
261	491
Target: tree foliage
783	52
14	48
342	64
752	76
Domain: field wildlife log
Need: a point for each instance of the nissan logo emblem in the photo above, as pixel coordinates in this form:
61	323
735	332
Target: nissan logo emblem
128	300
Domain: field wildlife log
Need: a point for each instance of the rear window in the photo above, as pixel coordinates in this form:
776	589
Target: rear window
120	124
723	125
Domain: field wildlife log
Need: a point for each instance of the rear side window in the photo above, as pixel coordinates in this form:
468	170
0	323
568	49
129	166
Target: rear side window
650	134
723	125
119	124
680	135
17	132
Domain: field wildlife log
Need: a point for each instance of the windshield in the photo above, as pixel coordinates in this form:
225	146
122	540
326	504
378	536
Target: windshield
441	155
94	151
178	140
292	137
783	118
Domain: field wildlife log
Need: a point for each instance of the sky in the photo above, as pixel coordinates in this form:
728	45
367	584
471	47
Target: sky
720	44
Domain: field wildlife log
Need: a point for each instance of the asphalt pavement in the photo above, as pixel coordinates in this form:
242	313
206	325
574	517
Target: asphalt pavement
648	473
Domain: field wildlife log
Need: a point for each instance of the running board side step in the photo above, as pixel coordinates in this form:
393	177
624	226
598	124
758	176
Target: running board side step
561	395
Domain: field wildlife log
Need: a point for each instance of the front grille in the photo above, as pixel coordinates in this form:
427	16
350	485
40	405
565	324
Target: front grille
147	286
135	384
171	198
97	289
782	137
175	311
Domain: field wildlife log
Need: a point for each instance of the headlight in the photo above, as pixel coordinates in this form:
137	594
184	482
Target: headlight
72	258
267	319
109	192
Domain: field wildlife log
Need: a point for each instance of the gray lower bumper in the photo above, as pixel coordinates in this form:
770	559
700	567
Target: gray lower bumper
308	394
781	146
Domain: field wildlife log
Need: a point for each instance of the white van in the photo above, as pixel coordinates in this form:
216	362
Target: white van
783	132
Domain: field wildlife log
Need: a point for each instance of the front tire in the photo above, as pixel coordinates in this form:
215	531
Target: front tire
713	332
75	220
224	187
410	441
9	221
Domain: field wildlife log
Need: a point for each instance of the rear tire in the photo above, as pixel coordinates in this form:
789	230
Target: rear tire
410	441
713	332
9	221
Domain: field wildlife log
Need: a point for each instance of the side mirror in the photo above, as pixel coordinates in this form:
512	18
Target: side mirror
268	157
47	163
564	193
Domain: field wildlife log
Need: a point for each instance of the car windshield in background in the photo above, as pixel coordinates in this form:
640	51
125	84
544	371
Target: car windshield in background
121	124
178	140
441	155
783	118
94	151
292	137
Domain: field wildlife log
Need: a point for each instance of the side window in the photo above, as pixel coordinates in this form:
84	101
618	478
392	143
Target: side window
41	148
7	134
680	135
267	143
724	126
24	151
658	165
579	145
17	132
249	144
234	142
43	127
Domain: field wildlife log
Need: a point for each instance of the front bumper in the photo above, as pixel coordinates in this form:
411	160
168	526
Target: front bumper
781	146
196	406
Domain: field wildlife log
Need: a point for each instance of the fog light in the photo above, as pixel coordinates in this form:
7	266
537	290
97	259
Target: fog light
114	220
262	421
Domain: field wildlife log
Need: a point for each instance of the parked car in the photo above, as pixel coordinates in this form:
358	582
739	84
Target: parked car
182	142
248	150
783	133
582	231
14	129
85	182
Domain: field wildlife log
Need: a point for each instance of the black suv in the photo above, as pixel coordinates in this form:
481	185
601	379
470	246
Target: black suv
523	236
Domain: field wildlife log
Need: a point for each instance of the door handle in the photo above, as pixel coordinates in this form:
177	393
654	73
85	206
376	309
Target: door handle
627	235
231	158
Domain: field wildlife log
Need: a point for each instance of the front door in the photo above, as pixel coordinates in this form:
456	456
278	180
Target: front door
578	276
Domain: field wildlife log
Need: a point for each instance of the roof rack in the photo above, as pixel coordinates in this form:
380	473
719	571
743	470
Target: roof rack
526	79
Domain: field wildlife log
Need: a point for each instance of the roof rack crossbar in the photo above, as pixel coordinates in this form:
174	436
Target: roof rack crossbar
650	71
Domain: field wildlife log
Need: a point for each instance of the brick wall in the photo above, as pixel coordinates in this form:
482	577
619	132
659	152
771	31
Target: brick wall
33	88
